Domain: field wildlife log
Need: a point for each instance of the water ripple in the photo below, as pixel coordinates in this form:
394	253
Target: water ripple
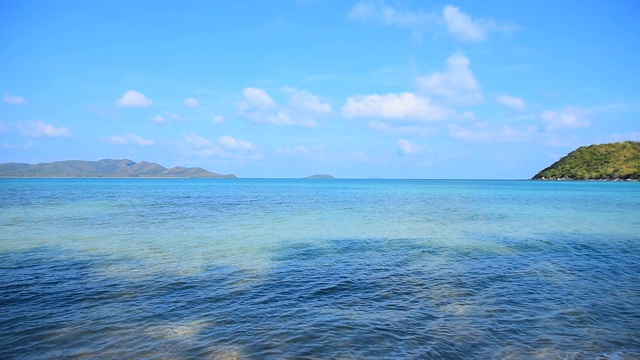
315	271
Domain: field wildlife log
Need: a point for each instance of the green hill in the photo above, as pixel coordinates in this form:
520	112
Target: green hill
616	161
104	168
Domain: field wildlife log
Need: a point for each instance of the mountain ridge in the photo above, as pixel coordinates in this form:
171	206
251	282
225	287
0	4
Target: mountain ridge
117	168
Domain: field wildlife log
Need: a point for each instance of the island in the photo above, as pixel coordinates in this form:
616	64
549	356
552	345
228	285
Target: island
106	168
613	161
319	177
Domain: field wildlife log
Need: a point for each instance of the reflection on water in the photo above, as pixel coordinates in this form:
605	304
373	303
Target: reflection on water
91	278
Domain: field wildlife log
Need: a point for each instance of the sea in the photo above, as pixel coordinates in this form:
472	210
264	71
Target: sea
319	269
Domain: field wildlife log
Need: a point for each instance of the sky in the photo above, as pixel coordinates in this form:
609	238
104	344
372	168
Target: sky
495	89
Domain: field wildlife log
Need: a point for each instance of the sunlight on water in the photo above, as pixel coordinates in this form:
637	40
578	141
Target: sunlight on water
341	269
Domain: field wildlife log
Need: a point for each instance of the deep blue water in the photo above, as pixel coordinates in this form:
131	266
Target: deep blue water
316	269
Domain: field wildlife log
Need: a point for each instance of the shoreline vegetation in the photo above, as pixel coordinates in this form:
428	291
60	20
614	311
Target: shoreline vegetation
618	161
106	168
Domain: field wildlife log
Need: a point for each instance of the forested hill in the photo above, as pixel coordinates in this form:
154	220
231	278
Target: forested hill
104	168
615	161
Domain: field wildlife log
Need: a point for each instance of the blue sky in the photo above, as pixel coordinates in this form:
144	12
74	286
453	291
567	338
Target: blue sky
356	89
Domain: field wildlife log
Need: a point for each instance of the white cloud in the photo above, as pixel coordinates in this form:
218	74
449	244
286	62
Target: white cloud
129	139
463	27
196	140
485	132
258	99
456	84
40	129
13	99
304	101
201	147
232	143
406	148
513	102
166	118
569	117
192	103
403	106
259	107
218	119
134	99
456	22
224	147
365	10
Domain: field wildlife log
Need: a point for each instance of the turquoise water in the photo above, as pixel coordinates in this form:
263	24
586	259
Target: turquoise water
302	269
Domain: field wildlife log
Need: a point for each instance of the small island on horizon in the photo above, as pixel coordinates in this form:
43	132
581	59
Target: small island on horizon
618	161
320	177
105	168
612	161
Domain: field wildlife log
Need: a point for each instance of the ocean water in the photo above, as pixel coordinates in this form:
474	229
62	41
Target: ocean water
317	269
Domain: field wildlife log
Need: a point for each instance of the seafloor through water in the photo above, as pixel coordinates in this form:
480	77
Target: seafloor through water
342	269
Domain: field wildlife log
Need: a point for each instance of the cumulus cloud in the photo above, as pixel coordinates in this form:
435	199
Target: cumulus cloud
512	102
232	143
159	119
192	103
303	101
129	139
301	109
218	119
225	147
456	84
485	132
134	99
463	27
258	106
41	129
13	99
459	24
403	106
406	148
569	117
365	10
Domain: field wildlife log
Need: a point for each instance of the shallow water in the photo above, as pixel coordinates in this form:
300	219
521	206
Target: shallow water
346	269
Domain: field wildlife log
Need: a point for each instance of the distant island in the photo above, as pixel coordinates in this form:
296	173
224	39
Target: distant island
615	161
104	168
319	176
